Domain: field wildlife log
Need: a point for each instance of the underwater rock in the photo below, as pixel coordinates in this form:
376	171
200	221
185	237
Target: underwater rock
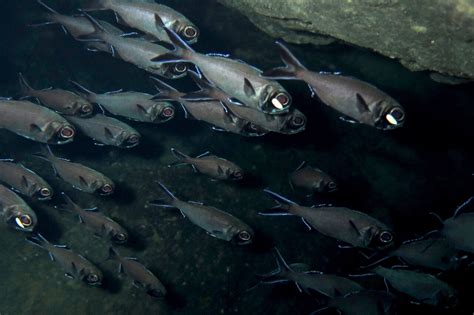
424	35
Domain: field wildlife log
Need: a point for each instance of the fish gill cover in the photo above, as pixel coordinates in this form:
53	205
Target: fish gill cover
396	144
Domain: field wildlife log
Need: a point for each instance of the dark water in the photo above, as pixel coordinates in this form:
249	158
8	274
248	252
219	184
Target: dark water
398	176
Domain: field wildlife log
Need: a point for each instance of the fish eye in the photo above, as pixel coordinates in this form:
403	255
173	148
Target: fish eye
133	139
92	278
298	121
253	127
24	221
386	237
281	100
238	175
332	185
121	237
167	112
86	108
107	189
190	32
395	116
67	132
45	192
180	68
245	236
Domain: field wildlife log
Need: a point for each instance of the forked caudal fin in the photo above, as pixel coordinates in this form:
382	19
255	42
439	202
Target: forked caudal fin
45	153
38	240
113	254
282	264
164	202
291	69
205	88
282	205
179	155
99	30
24	85
81	89
166	92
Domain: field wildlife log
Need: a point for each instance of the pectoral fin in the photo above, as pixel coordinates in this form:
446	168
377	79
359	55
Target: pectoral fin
35	128
108	133
248	88
361	104
83	181
24	182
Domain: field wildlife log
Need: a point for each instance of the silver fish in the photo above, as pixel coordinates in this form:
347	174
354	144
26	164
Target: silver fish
311	179
74	265
141	15
35	122
353	227
24	180
136	51
62	101
210	165
15	212
215	222
98	223
362	102
234	77
142	277
330	286
132	105
78	175
107	131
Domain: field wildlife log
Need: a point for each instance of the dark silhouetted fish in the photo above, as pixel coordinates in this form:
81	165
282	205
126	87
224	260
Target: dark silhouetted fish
234	77
141	276
15	212
215	222
211	165
362	102
78	175
106	130
75	265
24	180
363	303
99	224
62	101
132	105
141	15
35	122
311	179
353	227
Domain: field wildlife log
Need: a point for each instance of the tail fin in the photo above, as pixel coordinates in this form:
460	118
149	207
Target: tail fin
282	264
24	86
94	5
278	198
179	155
113	254
166	92
165	202
182	51
38	240
205	88
47	7
99	30
292	65
69	205
45	153
282	207
81	89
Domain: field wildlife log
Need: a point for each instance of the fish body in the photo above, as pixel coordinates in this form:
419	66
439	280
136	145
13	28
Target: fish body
234	77
135	106
62	101
141	15
107	131
365	302
311	179
142	277
353	227
98	223
74	265
35	122
24	180
211	165
459	230
15	212
359	100
421	286
215	222
79	176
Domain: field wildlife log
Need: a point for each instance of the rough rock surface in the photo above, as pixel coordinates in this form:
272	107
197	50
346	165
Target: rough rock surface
435	35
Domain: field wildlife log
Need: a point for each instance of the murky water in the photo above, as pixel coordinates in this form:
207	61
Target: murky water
398	176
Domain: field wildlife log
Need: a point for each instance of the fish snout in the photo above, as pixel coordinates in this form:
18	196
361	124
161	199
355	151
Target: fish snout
243	237
156	293
132	140
237	175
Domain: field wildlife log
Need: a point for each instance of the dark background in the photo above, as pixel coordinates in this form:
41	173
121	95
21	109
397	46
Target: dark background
398	176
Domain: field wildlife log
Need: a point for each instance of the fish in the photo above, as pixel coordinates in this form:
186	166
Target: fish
349	226
98	223
311	179
368	302
234	77
433	252
35	122
211	165
360	101
15	212
136	51
106	130
458	229
79	176
74	265
215	222
24	180
61	101
131	105
291	122
212	112
423	287
79	27
141	15
142	277
328	285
